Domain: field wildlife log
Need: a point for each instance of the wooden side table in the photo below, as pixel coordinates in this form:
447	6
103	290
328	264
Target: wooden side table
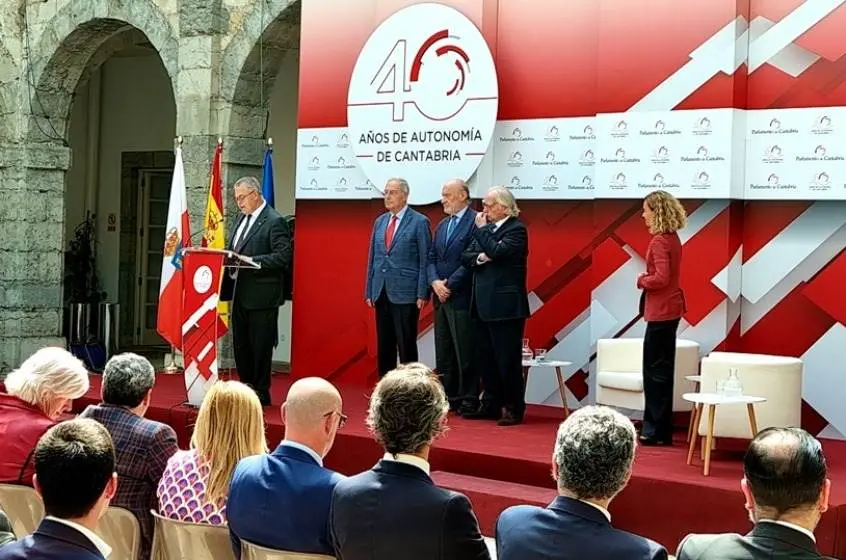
712	400
557	364
697	380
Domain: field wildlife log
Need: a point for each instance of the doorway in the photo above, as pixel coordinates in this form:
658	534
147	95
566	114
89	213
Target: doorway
153	198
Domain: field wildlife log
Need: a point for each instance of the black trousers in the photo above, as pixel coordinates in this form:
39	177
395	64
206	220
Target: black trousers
253	337
659	364
454	354
396	333
499	354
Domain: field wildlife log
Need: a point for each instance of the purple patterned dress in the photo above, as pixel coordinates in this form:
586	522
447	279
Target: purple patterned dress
182	491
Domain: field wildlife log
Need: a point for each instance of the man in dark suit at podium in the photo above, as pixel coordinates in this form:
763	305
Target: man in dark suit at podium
263	235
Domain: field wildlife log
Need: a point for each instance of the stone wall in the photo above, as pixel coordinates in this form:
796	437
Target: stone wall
221	57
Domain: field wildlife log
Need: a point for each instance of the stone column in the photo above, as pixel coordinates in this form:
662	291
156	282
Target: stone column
32	213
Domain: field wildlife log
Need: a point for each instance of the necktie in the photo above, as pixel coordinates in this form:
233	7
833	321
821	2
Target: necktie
243	232
451	227
389	234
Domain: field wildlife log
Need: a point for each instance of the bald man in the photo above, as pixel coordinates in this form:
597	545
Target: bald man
281	500
450	283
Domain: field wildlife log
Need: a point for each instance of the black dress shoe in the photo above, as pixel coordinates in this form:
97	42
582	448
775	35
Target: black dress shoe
654	441
484	412
510	419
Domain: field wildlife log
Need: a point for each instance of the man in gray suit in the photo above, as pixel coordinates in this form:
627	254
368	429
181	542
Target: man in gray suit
786	493
397	278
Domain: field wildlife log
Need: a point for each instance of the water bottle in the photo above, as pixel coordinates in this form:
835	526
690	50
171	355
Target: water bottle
733	387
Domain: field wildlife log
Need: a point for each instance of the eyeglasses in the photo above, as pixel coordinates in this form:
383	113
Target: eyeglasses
342	418
242	197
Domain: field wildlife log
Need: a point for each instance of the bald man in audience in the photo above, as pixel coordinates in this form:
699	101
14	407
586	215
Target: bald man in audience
786	487
281	500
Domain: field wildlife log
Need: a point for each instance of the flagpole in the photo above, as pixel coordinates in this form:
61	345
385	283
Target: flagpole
171	368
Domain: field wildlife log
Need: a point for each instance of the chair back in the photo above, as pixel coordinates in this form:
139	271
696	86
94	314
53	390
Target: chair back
121	531
23	506
178	540
250	551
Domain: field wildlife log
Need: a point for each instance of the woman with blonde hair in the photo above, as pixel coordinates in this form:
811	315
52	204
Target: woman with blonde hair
662	305
195	483
37	395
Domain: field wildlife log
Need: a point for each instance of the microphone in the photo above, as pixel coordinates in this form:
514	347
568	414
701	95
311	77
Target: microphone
203	231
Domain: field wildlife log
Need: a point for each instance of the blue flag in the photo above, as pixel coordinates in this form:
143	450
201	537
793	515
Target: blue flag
267	179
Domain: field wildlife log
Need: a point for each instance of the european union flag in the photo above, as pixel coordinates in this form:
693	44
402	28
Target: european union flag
267	178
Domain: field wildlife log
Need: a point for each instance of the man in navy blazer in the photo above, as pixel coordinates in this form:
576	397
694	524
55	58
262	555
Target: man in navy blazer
397	277
281	500
75	477
592	463
394	511
451	285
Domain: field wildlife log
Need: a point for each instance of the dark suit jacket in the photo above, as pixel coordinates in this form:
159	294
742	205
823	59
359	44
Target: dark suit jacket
269	243
765	541
52	541
281	500
142	448
567	530
400	269
394	511
664	299
445	258
499	286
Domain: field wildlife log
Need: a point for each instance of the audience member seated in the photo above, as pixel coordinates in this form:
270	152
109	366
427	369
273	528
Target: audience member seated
7	533
75	477
395	510
592	463
142	447
281	500
230	427
786	492
37	394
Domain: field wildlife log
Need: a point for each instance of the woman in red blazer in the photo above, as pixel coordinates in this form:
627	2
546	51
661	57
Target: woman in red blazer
662	305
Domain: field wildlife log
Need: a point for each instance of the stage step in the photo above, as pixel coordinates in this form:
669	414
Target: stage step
491	497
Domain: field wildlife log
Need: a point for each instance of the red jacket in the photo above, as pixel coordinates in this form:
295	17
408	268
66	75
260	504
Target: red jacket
664	297
21	425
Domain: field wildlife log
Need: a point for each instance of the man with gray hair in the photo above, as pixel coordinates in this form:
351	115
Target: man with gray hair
497	257
262	234
394	510
592	463
397	283
142	446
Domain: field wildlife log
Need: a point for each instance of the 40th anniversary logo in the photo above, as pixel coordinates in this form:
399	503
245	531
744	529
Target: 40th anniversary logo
422	101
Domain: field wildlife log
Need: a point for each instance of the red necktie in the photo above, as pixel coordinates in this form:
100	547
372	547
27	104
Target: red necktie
389	233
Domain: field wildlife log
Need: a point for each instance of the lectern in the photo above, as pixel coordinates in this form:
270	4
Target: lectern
203	269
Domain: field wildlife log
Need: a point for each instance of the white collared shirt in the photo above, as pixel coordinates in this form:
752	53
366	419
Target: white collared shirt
460	214
792	526
101	545
399	216
311	452
421	464
254	214
604	511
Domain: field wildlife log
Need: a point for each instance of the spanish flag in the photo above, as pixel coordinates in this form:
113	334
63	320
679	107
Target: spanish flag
215	236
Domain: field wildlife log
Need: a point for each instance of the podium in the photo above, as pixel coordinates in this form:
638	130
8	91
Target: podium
203	272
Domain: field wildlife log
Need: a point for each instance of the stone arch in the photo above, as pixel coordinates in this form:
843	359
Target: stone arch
82	35
245	89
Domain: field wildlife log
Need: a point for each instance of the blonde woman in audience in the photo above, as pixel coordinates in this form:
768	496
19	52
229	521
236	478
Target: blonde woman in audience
37	395
230	426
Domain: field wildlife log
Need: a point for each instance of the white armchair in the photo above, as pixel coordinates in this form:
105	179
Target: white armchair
776	378
619	372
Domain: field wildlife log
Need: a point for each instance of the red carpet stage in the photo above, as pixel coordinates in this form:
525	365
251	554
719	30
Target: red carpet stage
497	467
